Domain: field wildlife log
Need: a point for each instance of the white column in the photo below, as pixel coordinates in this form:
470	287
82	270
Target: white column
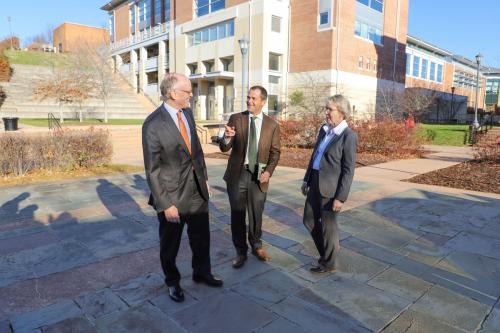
219	98
118	63
133	68
143	80
162	55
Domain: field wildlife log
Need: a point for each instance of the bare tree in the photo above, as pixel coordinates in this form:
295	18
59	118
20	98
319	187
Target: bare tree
309	97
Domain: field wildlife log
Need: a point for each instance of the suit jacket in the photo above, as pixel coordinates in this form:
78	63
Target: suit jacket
168	164
268	151
337	165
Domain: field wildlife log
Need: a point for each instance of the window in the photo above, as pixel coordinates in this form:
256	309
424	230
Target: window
408	58
212	33
377	5
276	23
432	72
374	65
193	68
228	64
360	62
439	73
132	19
167	10
209	66
272	103
144	14
416	65
368	64
325	13
367	31
157	7
204	7
274	62
423	74
274	79
112	27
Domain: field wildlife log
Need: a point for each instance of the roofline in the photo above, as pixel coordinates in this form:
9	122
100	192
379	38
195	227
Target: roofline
80	24
113	4
434	48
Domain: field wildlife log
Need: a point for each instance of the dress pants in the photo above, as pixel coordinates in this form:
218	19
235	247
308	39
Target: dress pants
247	196
198	233
321	222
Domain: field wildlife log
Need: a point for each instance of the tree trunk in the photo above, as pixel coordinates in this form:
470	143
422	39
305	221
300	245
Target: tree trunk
105	112
61	118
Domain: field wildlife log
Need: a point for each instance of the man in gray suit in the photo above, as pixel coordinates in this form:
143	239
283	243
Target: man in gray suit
327	181
177	177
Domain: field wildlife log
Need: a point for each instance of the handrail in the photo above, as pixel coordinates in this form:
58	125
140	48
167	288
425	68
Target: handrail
53	122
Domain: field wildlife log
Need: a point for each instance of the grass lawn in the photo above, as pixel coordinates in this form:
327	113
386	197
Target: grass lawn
43	176
42	122
36	58
449	135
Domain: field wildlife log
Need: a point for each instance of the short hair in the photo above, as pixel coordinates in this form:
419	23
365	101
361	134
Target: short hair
342	103
168	84
263	91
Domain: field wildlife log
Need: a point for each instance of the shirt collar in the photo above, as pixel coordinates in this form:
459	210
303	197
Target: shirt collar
259	116
169	108
337	130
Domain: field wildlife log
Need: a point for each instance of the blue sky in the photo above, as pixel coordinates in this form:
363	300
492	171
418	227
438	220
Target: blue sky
462	27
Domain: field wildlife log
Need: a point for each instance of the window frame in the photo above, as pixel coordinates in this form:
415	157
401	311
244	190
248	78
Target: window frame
210	7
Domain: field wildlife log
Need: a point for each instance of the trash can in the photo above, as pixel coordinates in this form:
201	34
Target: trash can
10	123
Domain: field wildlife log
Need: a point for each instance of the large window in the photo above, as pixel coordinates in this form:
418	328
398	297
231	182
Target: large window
325	13
167	10
377	5
367	31
144	7
423	73
204	7
408	58
432	72
274	62
157	6
211	33
112	27
416	65
440	73
132	19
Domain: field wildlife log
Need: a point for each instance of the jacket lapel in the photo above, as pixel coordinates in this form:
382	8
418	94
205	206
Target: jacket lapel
263	129
172	128
244	129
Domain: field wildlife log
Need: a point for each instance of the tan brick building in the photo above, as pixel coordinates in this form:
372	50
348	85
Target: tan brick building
71	37
354	47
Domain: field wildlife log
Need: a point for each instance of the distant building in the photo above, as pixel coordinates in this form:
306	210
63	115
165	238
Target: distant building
71	37
492	90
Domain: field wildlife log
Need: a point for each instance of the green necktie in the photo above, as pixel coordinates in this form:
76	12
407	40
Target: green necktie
252	145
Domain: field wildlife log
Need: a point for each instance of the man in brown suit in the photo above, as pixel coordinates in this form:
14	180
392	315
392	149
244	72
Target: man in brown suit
255	142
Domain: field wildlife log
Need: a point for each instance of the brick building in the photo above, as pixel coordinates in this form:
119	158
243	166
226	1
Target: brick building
70	37
352	47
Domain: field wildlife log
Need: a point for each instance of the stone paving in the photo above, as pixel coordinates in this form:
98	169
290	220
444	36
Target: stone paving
82	256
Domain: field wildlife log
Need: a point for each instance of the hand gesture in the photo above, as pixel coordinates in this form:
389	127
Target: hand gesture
229	131
172	214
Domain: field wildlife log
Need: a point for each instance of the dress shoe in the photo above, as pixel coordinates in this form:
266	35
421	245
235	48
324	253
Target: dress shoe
209	280
176	293
260	254
322	269
239	261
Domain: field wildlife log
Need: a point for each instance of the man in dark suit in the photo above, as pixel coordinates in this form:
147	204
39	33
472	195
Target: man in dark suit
255	142
328	180
177	177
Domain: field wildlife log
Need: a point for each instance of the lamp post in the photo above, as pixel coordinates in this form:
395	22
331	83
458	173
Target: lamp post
244	44
10	28
452	102
475	124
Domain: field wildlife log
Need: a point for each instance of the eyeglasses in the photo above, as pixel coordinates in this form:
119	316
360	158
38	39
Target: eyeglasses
329	109
189	92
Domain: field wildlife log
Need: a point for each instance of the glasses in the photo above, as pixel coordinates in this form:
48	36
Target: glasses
329	109
189	92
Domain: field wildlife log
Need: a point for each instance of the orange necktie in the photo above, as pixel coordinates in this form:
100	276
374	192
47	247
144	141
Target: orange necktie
183	130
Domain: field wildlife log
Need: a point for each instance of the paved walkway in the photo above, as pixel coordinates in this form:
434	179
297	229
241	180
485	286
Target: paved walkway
82	256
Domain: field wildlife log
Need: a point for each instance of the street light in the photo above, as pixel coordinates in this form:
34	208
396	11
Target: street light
475	124
244	44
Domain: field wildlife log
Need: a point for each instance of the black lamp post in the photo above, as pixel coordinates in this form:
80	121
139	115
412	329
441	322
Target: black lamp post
479	57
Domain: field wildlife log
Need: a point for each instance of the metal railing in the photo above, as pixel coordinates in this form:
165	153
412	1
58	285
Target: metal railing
53	122
486	121
141	36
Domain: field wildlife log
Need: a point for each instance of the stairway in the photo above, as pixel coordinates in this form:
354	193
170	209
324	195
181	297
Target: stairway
123	102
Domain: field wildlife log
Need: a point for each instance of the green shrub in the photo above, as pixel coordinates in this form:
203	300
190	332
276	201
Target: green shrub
60	150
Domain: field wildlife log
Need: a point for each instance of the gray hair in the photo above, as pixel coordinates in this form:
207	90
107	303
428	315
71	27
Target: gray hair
168	84
343	105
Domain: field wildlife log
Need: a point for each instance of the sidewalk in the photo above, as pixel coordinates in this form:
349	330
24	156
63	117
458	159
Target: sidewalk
83	256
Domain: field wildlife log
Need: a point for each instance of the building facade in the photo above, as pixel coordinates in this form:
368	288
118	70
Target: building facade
492	94
72	37
354	47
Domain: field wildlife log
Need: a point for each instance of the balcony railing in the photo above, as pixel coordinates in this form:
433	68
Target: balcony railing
144	35
151	63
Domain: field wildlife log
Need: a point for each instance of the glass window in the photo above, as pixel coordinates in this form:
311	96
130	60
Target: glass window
213	33
167	10
203	7
112	27
221	31
230	28
276	23
408	58
364	2
432	71
217	5
323	18
325	10
272	103
274	62
204	36
377	5
440	73
416	65
197	38
423	74
157	6
274	79
357	28
368	64
132	19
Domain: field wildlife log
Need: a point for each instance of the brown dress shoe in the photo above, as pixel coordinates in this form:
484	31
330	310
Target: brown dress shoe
261	254
239	261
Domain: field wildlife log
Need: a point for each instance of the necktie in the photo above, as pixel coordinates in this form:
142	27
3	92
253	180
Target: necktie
252	145
184	133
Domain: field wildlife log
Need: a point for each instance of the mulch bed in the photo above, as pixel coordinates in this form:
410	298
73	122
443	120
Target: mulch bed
482	176
299	158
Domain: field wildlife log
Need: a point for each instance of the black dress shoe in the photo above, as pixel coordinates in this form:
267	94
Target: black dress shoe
239	261
176	293
322	269
209	280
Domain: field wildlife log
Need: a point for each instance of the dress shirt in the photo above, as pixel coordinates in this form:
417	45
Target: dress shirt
173	113
330	134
